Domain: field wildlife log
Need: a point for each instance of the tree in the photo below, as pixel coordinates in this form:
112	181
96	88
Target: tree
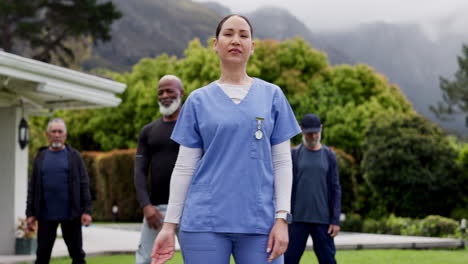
461	211
455	93
409	164
45	26
346	97
348	169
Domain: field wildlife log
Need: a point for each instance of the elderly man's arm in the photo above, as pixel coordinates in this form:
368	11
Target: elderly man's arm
30	198
335	190
142	163
30	212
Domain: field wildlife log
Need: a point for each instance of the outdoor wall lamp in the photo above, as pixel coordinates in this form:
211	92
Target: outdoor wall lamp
23	133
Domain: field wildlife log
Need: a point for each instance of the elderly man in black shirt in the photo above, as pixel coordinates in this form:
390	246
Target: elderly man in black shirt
156	155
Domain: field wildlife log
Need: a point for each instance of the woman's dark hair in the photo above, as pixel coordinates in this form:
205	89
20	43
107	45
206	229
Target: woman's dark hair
221	23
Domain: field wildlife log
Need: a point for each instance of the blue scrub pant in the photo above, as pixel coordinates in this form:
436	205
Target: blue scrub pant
324	246
210	247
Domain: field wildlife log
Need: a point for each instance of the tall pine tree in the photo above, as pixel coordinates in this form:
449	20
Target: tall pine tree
455	92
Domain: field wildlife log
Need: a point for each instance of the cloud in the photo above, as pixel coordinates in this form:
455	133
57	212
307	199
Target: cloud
339	14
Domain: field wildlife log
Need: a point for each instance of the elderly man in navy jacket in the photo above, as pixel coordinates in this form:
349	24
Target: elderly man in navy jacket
316	196
58	193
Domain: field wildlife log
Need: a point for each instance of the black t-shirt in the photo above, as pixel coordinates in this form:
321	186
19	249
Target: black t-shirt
157	154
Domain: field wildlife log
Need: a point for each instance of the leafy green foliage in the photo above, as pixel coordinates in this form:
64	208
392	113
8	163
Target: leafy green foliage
345	97
352	223
461	210
348	98
348	170
408	162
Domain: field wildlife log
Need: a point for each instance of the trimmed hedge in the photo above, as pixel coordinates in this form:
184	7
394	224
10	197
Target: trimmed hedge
111	180
89	158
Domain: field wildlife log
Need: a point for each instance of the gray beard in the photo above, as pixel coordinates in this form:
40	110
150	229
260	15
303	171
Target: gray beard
56	145
311	144
169	110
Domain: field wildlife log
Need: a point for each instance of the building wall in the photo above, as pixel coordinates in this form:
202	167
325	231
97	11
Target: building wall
13	178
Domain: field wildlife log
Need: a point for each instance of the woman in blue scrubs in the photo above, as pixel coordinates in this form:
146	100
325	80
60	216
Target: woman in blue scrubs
231	185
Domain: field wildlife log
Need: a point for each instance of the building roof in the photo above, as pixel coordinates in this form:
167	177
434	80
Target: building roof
42	87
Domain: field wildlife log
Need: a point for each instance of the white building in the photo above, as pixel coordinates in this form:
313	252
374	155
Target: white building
29	87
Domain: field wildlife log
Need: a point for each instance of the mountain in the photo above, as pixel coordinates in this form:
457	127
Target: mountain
149	28
406	53
409	57
280	24
217	8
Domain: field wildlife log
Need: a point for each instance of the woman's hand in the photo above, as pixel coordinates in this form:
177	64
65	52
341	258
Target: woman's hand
278	240
164	244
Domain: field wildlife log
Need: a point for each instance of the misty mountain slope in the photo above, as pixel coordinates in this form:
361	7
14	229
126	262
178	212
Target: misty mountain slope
149	28
407	56
280	24
217	8
404	53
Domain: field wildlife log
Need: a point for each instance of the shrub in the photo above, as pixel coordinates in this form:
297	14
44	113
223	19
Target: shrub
397	225
438	226
353	223
373	226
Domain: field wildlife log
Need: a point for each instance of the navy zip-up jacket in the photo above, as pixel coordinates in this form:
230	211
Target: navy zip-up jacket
333	182
80	196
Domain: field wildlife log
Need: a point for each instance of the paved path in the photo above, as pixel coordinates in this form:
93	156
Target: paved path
377	241
118	239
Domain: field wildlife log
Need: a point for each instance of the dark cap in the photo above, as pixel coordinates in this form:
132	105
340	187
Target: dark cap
311	124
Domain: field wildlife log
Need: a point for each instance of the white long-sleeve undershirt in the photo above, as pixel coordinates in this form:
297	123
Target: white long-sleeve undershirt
188	157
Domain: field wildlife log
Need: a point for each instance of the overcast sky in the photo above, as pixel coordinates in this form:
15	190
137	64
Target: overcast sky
339	14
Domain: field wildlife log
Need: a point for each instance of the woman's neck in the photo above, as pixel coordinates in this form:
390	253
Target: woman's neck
235	76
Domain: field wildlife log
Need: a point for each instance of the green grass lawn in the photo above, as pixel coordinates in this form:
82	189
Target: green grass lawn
389	256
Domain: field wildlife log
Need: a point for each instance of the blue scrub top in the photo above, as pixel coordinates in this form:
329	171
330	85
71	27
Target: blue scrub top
232	189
